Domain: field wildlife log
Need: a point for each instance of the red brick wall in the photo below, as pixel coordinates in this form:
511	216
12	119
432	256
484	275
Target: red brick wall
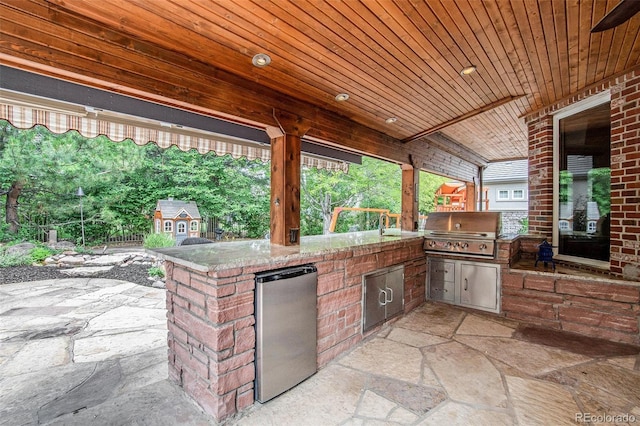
625	170
592	307
211	318
625	175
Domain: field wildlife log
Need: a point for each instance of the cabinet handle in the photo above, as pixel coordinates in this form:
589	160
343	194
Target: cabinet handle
390	291
384	301
466	284
442	270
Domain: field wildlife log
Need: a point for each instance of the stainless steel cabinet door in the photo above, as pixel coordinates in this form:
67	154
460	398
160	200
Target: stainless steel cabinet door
394	287
375	299
479	285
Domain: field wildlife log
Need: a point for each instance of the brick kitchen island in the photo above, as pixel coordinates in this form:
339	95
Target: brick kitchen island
210	304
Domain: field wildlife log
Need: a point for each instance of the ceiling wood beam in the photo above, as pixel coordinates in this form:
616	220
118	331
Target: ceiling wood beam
460	118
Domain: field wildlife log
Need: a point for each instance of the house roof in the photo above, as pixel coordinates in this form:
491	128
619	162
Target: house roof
506	171
397	60
172	208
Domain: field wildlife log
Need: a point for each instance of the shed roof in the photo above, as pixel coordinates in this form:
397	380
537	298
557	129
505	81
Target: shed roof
172	208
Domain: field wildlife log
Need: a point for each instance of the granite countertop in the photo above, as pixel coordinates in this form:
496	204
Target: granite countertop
226	255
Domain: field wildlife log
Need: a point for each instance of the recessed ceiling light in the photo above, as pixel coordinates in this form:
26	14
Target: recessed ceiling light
261	60
468	70
391	120
341	97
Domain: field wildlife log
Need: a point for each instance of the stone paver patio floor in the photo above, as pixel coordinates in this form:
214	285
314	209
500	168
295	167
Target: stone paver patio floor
93	351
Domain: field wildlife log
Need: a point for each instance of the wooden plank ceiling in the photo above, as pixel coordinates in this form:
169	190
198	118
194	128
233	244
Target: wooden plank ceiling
395	58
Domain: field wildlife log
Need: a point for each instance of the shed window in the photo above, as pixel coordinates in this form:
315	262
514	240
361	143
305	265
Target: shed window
158	226
168	226
194	225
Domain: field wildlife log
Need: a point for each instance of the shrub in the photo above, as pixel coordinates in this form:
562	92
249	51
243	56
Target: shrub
14	260
156	272
524	225
39	254
158	241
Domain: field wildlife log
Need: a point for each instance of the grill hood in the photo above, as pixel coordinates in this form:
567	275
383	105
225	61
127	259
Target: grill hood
472	224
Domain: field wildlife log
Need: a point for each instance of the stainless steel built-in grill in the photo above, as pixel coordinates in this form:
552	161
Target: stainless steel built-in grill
463	233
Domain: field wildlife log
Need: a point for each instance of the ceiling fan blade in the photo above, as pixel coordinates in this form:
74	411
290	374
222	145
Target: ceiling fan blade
616	16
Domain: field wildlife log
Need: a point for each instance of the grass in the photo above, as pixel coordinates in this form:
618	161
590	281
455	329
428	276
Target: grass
158	241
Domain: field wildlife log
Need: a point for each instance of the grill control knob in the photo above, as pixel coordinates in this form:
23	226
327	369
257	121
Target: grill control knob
449	244
483	246
465	245
432	243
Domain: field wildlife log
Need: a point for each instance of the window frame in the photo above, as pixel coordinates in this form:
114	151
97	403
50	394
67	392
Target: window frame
573	109
193	225
168	228
499	198
513	195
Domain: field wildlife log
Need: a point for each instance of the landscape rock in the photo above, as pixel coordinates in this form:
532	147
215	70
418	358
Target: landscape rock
62	245
108	259
158	284
71	260
86	271
21	249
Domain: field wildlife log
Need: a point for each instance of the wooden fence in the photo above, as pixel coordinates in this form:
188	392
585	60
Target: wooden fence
37	229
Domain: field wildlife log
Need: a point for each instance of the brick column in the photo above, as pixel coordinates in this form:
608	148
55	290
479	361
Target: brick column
211	337
540	131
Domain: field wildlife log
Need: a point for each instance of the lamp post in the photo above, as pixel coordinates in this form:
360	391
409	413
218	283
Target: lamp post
80	194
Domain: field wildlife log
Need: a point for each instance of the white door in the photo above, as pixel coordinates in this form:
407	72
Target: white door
181	231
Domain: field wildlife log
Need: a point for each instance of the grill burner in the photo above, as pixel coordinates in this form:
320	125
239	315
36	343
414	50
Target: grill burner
463	233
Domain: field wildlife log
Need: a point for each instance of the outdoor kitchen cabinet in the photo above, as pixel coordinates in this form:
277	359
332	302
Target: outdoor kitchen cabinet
479	285
465	283
442	280
383	295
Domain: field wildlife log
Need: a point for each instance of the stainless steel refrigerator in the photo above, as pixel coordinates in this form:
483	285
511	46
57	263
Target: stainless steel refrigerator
286	329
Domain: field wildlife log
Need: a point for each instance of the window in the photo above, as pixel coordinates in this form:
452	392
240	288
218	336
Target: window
194	225
582	166
502	195
168	226
158	226
517	194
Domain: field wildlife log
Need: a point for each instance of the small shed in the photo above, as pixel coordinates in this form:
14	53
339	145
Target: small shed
181	219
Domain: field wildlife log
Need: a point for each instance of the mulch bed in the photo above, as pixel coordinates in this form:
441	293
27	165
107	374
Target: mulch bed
14	274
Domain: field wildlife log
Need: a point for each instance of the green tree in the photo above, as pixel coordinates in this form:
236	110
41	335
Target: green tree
429	184
40	173
372	184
